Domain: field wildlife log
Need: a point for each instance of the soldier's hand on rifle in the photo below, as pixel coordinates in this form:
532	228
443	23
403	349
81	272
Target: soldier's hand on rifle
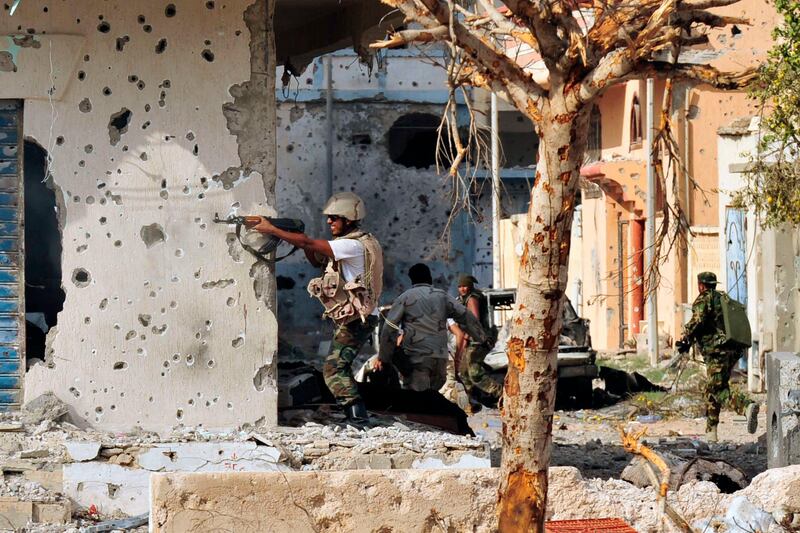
377	365
264	226
683	346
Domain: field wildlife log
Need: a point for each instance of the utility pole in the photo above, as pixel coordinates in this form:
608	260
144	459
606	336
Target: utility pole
495	131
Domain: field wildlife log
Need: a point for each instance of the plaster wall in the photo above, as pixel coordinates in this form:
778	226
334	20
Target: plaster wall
171	325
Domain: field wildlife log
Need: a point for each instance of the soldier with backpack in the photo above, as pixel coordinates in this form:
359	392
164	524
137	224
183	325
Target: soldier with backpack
720	328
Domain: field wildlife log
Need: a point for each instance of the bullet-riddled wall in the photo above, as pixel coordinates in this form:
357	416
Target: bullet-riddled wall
383	130
155	115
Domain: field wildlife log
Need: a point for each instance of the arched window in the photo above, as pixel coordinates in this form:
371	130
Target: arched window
636	121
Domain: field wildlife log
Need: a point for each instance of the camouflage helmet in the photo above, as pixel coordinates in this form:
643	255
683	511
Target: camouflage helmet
347	205
707	278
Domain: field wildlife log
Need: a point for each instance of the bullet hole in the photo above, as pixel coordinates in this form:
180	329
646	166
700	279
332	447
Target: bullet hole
89	200
209	5
104	27
290	148
179	414
146	125
190	136
140	85
196	149
413	139
130	335
106	91
140	19
208	55
159	330
133	78
284	283
82	248
361	139
103	220
75	392
179	252
118	244
173	305
147	28
85	105
121	42
88	148
144	320
103	304
98	410
207	42
152	234
142	352
120	365
118	125
161	45
162	99
237	342
86	58
81	164
81	75
211	364
166	84
735	30
189	360
81	277
59	140
170	10
231	302
143	156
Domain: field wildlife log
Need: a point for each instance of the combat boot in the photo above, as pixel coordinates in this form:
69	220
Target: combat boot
357	413
752	417
711	435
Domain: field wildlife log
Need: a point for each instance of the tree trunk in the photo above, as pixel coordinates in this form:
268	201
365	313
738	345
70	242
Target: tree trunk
530	385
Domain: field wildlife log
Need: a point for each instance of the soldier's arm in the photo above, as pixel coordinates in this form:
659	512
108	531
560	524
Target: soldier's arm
389	333
301	240
699	309
465	319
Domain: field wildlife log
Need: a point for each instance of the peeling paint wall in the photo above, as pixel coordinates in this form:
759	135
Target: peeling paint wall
407	208
156	116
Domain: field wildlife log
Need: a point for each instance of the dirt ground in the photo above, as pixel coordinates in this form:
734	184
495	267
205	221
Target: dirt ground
589	439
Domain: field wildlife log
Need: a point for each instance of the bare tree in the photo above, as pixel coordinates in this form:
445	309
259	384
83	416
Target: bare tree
586	47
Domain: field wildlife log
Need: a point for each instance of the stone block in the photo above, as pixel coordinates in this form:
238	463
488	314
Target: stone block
15	514
52	513
357	501
783	409
82	451
111	488
52	481
211	457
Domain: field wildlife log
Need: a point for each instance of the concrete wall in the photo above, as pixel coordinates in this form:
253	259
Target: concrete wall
169	327
407	208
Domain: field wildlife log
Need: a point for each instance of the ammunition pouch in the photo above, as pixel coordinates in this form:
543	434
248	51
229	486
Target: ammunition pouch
343	302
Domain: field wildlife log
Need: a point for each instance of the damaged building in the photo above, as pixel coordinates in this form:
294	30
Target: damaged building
125	128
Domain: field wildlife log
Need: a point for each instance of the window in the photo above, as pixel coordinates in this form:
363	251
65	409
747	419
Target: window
636	122
412	140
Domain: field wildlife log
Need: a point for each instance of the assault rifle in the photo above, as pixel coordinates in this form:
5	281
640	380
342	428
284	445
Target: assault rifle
263	253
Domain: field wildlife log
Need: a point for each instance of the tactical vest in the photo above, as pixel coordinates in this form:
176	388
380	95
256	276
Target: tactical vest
483	313
347	301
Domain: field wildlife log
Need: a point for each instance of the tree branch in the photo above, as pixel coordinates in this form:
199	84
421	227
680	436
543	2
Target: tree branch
405	37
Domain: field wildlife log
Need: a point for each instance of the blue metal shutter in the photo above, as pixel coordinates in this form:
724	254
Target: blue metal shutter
12	292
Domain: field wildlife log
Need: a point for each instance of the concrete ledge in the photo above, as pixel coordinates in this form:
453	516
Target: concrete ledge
354	501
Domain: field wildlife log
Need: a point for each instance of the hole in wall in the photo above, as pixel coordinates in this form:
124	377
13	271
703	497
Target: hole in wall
118	125
44	297
161	45
170	10
81	277
412	140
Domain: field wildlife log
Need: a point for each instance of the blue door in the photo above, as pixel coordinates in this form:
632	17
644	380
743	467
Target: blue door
12	292
736	254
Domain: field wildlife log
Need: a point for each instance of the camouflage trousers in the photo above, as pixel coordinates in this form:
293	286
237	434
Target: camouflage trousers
475	376
337	370
717	391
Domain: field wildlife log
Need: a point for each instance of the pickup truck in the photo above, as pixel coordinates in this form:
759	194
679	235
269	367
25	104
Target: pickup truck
576	358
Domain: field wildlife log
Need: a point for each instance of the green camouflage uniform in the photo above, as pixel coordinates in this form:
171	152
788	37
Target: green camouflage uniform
475	353
707	329
337	371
